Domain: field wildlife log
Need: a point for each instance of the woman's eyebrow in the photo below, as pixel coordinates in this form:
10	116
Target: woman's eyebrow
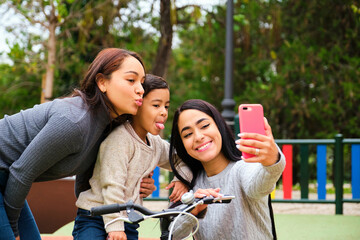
184	129
133	72
200	120
197	122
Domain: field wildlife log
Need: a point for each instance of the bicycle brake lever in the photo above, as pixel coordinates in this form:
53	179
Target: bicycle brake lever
132	215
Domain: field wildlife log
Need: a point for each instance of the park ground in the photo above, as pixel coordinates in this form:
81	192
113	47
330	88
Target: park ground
294	221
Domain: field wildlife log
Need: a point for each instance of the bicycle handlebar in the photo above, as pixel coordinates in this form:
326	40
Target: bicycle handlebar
113	208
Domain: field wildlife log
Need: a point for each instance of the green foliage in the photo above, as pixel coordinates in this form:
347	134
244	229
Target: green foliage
196	67
100	26
299	59
320	68
19	85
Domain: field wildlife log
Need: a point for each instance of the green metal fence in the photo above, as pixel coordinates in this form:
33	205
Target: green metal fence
338	142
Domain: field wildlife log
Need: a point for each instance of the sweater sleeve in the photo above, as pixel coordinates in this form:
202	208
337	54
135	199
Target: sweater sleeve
165	163
115	153
257	180
58	139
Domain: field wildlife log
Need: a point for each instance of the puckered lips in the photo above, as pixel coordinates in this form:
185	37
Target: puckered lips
139	102
204	146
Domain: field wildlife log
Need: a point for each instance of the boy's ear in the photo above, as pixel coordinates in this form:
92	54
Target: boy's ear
101	82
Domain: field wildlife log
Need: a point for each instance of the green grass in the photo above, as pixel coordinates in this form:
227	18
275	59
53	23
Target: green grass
149	228
294	227
317	227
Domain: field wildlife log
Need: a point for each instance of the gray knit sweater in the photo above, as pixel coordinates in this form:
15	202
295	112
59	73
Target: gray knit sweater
247	216
49	141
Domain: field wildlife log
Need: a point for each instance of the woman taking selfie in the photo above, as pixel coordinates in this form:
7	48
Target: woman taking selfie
61	138
204	142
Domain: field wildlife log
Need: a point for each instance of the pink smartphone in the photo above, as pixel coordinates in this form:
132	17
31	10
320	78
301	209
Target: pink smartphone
251	120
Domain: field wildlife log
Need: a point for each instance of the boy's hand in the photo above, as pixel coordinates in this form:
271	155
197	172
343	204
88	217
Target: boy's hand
116	236
147	186
178	191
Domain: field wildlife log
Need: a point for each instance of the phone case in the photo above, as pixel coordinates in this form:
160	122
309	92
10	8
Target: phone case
251	120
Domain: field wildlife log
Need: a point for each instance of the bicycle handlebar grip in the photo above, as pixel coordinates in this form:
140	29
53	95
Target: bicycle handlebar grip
106	209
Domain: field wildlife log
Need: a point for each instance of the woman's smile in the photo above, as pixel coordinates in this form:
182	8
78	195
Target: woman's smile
204	147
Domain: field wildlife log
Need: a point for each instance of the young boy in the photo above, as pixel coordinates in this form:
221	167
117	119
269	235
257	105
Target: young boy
128	154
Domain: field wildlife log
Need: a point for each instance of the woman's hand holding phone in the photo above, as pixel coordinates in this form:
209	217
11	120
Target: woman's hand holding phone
268	151
257	143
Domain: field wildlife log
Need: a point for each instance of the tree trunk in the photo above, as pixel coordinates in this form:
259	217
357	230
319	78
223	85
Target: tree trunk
164	48
50	66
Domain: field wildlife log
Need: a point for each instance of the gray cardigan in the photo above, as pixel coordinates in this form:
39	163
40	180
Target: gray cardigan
47	142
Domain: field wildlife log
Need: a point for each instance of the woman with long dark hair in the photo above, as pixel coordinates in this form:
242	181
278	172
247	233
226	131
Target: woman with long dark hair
202	139
61	138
